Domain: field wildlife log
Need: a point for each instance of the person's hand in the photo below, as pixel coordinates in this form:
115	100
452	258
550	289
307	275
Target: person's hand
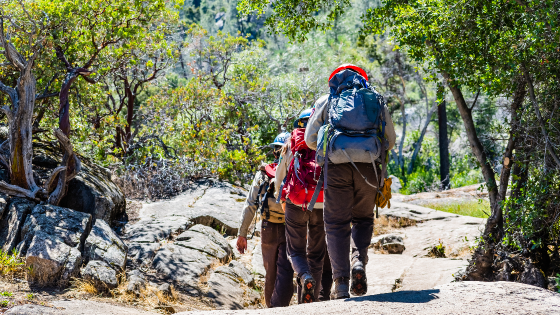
242	244
284	207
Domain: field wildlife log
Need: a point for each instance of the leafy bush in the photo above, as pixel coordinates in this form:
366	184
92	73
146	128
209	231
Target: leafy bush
10	263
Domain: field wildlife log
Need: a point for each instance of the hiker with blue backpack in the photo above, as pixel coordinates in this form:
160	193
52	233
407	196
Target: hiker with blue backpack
305	231
352	131
278	284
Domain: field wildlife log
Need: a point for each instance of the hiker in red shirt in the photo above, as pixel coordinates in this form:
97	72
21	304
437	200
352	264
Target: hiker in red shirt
305	231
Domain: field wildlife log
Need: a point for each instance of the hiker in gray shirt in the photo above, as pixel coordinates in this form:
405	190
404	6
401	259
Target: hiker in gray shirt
351	181
278	283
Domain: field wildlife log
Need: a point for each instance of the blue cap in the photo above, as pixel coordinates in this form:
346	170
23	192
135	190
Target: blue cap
305	114
280	139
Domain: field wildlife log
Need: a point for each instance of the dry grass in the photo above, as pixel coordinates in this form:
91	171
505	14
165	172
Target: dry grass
83	286
385	224
462	252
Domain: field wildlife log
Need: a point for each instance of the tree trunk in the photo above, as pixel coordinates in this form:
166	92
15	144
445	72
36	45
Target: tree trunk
480	267
401	144
418	145
21	150
443	146
131	97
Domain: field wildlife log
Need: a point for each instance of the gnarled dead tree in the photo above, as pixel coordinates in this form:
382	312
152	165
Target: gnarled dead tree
17	151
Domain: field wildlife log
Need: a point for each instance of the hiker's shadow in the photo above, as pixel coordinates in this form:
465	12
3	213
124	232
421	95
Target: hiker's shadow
423	296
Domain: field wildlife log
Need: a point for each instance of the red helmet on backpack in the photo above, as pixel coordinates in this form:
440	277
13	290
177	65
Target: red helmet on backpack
351	67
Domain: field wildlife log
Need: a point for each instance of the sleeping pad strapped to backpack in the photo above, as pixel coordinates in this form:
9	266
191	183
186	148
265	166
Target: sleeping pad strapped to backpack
355	129
303	172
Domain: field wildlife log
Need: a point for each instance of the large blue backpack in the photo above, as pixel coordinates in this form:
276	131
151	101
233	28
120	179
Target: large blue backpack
355	129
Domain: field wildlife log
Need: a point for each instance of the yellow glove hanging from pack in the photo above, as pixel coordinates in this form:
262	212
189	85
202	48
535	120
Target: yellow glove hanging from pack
384	197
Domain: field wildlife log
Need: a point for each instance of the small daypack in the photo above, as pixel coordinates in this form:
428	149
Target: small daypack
355	129
268	189
303	173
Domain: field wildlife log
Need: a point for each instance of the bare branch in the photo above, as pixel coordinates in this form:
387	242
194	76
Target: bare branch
475	99
12	93
49	183
538	114
44	96
17	191
10	50
7	112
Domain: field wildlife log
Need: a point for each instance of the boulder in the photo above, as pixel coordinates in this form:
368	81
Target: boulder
51	260
103	244
12	221
136	282
101	274
65	224
92	191
393	244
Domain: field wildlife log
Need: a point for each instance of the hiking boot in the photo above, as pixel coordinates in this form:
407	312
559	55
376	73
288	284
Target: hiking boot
307	288
341	287
359	279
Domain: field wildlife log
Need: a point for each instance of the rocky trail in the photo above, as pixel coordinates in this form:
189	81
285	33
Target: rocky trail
179	255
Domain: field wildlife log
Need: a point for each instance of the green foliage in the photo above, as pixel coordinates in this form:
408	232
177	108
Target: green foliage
437	251
532	210
4	303
477	209
10	263
296	18
6	293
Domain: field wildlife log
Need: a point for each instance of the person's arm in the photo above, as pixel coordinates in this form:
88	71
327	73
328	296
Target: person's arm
390	134
316	120
282	170
251	205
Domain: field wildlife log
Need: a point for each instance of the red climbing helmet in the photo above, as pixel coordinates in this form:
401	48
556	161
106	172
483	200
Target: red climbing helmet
349	66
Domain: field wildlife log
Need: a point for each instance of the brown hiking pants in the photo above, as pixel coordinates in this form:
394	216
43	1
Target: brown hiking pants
278	283
349	208
305	232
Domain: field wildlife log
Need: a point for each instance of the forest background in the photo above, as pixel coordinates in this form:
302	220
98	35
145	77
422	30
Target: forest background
174	91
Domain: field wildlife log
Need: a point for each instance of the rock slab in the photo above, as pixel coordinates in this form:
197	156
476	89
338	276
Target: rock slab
229	284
